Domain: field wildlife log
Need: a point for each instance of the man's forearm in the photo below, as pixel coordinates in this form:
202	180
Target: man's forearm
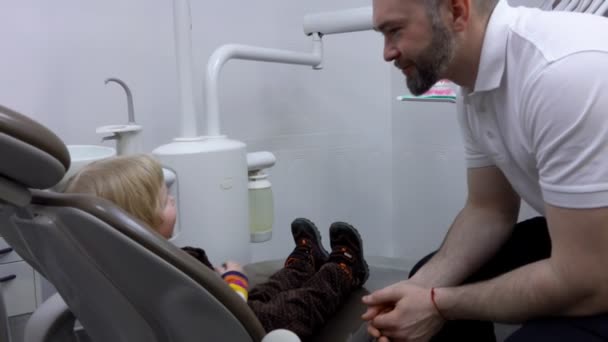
528	292
473	238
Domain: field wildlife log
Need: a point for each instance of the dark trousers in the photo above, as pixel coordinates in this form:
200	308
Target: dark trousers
529	242
299	299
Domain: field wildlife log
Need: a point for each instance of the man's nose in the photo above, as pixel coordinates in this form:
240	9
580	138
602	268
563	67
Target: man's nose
390	51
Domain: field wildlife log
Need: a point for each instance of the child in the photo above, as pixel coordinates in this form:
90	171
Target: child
300	297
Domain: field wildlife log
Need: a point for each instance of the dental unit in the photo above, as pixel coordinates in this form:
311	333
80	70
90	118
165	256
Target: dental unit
214	207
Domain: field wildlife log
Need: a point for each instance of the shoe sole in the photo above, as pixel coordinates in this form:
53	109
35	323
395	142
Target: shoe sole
343	226
316	232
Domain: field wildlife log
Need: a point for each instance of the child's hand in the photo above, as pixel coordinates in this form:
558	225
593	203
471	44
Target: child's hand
233	274
229	266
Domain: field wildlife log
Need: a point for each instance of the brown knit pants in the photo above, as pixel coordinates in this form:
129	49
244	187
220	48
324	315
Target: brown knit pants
298	299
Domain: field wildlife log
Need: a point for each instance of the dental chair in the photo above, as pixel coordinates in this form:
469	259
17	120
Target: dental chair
122	281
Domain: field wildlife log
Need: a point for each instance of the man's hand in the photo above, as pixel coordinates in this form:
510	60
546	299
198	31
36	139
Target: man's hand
413	316
371	313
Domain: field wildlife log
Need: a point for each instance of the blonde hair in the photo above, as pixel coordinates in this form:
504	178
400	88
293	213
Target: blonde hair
131	182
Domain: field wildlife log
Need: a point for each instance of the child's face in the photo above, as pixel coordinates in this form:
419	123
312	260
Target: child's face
168	213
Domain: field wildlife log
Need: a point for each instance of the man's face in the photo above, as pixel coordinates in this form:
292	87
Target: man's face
420	46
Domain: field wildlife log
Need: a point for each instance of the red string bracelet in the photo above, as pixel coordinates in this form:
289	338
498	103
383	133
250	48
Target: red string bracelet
435	304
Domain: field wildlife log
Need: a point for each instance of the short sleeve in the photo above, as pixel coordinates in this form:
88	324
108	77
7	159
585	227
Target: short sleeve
566	120
474	156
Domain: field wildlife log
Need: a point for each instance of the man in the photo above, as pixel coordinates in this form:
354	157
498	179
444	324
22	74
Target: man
534	115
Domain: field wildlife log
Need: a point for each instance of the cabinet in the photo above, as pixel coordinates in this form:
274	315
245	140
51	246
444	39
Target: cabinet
18	282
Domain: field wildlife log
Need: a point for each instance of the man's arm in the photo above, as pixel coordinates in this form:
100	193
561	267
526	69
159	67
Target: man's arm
573	281
478	231
404	309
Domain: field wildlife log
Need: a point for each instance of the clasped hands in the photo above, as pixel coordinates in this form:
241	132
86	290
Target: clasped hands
402	312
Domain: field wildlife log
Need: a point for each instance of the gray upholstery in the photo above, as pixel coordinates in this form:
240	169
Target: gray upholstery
31	132
119	290
155	269
14	193
23	164
31	154
11	234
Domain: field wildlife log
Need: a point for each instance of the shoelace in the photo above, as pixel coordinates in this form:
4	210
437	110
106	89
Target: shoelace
347	269
301	252
344	258
343	253
303	247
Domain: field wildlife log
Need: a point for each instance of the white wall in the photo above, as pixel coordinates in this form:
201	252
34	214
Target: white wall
428	172
57	54
330	129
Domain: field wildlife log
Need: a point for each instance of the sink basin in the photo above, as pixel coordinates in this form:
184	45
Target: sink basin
82	155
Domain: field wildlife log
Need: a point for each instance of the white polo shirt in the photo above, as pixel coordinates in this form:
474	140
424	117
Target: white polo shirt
539	109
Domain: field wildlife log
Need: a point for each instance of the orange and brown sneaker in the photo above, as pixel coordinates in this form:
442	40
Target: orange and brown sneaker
308	244
347	252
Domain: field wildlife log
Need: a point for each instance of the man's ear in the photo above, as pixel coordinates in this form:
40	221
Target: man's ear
458	13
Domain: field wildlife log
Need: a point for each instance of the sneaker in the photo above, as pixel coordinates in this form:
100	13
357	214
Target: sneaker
347	252
308	244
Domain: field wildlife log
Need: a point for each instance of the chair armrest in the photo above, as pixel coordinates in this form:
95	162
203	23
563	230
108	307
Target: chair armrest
51	322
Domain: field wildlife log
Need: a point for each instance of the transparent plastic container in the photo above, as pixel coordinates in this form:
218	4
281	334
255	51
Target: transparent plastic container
261	208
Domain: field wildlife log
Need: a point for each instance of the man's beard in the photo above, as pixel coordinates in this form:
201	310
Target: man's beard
433	61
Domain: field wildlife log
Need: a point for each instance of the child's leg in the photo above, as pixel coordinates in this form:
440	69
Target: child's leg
305	309
289	277
306	258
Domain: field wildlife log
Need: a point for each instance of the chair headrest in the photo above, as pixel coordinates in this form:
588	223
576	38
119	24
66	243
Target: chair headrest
32	155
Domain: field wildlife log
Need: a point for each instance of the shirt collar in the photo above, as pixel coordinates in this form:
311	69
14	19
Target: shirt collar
493	51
